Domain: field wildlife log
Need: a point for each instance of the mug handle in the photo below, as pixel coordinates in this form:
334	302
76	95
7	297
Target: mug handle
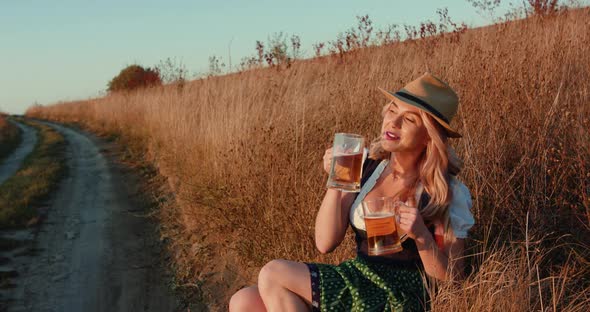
402	235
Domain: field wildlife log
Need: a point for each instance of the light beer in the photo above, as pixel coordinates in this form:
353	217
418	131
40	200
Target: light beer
347	168
382	237
347	162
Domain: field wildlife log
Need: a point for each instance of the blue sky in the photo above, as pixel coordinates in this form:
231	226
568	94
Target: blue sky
64	50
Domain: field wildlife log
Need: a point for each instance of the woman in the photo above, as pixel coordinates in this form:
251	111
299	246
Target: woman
412	162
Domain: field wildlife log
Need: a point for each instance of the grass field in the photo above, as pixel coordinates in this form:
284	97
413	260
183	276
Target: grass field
10	137
36	178
241	155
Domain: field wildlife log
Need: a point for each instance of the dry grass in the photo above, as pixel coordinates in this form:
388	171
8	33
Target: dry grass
39	174
10	136
242	157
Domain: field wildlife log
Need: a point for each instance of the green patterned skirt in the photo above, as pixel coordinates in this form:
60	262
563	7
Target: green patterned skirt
366	284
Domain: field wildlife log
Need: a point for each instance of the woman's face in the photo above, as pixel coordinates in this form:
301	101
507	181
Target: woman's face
403	129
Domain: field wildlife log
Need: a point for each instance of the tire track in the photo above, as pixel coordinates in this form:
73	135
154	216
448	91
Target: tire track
91	253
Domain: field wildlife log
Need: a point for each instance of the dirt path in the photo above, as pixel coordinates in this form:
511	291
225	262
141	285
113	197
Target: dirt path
11	164
96	251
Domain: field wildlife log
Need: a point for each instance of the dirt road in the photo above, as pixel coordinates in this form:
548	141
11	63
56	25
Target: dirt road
96	250
11	164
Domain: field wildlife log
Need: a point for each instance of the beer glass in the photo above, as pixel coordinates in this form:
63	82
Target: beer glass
380	215
347	162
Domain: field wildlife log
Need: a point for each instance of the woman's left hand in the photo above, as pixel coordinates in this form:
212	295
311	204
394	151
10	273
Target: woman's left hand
411	222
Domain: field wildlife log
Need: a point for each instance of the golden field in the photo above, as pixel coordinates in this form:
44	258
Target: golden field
241	155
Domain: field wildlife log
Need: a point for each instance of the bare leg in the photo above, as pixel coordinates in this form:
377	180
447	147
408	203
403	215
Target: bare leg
285	286
246	299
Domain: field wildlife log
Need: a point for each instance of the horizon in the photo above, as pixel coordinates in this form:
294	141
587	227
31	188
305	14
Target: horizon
85	45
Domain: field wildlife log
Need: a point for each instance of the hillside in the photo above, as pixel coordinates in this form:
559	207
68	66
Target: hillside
241	158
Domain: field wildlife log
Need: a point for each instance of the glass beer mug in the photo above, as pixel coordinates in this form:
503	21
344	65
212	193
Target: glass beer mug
347	162
380	215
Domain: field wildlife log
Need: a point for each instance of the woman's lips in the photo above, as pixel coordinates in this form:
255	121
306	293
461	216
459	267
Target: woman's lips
388	135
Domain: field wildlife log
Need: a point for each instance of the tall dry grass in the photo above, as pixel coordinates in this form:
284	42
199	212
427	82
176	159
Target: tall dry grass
242	154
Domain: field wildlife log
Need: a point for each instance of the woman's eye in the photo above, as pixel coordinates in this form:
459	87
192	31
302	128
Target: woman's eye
410	120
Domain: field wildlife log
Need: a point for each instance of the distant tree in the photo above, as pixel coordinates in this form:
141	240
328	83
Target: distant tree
133	77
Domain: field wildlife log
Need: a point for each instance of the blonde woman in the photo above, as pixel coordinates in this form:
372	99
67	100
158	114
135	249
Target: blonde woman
412	162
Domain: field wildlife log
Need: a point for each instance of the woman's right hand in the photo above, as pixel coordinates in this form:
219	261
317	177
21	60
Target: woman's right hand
328	160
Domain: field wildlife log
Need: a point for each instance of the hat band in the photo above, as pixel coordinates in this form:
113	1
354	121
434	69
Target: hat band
421	102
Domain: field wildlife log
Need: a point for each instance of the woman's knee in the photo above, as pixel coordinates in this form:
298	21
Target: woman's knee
270	274
246	299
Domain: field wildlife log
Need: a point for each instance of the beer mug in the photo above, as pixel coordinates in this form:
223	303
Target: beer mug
347	162
380	215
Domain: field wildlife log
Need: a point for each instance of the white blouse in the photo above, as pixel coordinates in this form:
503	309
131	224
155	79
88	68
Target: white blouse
460	215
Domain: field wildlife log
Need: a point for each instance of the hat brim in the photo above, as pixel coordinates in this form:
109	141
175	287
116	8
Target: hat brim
452	133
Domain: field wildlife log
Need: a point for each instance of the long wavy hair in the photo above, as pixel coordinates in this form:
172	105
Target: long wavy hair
437	163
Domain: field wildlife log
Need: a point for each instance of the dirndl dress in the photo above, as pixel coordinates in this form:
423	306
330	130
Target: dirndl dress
371	283
364	284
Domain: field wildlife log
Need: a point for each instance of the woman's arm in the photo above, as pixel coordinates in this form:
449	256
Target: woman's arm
442	265
332	219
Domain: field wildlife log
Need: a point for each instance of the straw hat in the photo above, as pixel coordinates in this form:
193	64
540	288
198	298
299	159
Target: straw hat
433	96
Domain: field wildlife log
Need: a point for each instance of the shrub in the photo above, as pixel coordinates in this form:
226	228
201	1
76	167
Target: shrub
133	77
172	71
543	7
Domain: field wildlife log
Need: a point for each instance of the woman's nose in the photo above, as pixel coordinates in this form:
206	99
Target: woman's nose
396	121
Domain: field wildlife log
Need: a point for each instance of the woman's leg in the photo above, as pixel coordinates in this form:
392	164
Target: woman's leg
285	286
246	299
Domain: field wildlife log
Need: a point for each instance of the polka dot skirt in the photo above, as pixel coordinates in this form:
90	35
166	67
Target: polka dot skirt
362	285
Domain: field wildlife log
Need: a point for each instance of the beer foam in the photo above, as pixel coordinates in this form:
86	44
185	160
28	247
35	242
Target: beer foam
345	153
379	215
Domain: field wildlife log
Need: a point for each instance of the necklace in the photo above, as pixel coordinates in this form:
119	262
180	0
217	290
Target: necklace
408	183
395	175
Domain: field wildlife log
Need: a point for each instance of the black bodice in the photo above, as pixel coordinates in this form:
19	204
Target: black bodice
409	255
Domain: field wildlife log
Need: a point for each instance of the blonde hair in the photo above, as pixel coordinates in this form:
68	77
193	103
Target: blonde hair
436	165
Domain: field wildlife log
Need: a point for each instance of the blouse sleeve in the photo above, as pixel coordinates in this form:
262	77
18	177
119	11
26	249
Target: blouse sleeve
460	209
